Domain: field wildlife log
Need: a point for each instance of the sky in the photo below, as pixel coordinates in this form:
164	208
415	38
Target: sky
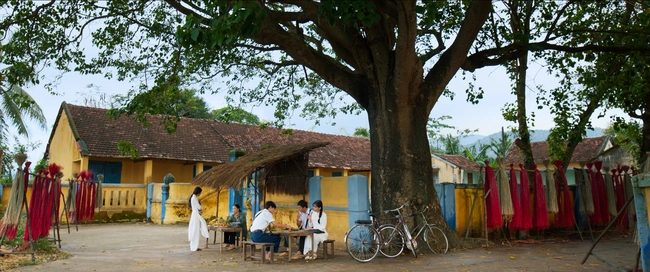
485	116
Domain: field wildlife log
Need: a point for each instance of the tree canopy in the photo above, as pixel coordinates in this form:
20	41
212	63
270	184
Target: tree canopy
393	58
235	114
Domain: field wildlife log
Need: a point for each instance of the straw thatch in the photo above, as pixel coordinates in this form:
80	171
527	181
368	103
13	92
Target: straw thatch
285	169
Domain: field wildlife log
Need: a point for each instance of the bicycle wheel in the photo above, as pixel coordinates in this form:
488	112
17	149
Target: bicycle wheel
436	240
391	240
362	243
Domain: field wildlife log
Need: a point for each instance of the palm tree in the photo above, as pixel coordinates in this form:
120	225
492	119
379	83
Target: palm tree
16	107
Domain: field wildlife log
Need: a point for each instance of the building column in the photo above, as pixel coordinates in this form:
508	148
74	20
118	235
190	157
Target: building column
235	196
358	199
148	171
199	168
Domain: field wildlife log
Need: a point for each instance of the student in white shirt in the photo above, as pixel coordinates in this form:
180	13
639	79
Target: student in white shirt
302	223
261	221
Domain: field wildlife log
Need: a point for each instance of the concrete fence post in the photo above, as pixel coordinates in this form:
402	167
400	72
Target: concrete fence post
358	199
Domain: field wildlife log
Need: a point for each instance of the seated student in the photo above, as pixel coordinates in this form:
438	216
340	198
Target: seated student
303	223
319	221
260	222
231	237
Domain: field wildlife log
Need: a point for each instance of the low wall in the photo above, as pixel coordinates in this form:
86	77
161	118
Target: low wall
121	202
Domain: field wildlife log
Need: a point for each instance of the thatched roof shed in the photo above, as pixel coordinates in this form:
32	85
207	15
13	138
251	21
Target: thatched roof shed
285	169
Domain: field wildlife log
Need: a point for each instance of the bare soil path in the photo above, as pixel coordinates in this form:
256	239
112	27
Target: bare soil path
147	247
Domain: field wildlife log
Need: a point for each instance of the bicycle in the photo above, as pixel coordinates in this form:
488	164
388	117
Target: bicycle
393	236
368	238
363	240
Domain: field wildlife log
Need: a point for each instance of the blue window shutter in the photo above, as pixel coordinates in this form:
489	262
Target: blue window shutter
337	174
112	171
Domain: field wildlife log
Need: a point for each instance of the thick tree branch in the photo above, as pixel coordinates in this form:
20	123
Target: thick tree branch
557	18
298	17
341	39
258	48
182	9
32	16
410	71
498	56
448	64
330	70
194	6
441	45
385	7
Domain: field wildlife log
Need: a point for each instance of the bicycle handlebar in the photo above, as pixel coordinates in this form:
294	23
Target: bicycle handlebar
397	209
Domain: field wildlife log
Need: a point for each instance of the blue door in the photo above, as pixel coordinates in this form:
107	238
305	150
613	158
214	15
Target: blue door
112	171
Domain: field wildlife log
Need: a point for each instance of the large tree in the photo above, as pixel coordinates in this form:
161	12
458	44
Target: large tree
393	58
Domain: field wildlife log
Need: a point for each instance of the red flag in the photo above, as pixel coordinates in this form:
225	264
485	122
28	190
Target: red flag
565	216
540	218
515	222
492	204
527	222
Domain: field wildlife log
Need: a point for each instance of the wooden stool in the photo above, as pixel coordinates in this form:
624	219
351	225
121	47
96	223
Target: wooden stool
328	254
250	246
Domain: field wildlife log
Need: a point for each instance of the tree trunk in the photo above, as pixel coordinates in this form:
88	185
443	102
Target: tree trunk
575	134
401	162
524	134
645	139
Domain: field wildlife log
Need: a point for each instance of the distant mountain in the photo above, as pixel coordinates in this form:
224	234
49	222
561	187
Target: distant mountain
471	139
538	135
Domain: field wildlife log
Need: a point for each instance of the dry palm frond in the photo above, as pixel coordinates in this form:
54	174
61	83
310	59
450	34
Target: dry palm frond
285	169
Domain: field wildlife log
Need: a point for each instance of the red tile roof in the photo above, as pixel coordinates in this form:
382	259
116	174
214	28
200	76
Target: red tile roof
586	150
461	162
203	140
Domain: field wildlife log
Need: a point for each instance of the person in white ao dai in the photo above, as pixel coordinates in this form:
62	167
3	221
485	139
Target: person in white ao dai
318	219
197	227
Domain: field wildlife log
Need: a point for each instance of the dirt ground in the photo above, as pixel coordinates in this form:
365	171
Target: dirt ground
147	247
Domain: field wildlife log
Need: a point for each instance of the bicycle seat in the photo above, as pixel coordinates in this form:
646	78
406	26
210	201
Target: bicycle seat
365	222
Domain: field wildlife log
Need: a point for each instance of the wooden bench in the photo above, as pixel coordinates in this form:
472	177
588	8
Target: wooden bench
328	254
250	247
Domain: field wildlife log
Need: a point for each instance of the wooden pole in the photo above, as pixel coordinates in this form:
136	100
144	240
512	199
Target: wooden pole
611	223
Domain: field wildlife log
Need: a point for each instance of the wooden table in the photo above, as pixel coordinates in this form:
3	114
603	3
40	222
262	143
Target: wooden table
296	233
222	230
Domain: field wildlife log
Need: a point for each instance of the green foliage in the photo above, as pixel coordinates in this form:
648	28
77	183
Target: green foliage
234	114
128	150
348	13
41	164
451	143
361	132
167	100
501	146
478	154
436	125
17	106
9	164
627	134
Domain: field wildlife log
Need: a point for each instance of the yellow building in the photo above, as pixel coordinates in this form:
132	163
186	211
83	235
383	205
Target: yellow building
84	138
454	169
